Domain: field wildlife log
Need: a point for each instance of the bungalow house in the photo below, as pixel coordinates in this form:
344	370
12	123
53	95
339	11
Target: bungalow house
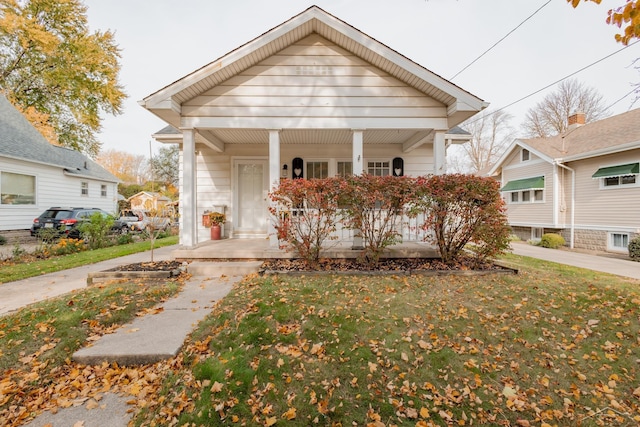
310	98
584	184
147	200
35	175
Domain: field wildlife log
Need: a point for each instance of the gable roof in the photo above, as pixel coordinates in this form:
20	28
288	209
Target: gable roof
607	136
20	140
165	103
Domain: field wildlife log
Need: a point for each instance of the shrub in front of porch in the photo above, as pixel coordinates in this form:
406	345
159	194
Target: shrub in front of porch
374	206
462	209
305	214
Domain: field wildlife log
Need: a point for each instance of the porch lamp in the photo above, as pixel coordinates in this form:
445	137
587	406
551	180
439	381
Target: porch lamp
284	173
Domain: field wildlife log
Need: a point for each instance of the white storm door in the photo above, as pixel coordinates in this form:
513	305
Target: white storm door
252	209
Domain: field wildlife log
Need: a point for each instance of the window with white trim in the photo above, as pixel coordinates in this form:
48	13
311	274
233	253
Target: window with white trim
103	190
617	181
379	168
536	233
618	241
318	169
84	188
525	155
17	189
344	168
527	196
618	176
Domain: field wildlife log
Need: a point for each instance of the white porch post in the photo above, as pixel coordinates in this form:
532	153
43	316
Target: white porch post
439	154
189	233
274	179
357	169
357	152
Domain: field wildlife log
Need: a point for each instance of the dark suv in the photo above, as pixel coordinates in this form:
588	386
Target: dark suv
66	221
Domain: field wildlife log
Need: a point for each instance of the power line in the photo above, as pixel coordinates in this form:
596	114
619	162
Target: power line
496	43
559	80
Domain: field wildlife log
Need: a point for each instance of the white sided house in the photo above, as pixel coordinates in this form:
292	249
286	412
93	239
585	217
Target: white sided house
584	184
311	98
35	175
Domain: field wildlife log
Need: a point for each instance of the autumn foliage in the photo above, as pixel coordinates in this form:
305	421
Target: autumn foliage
462	209
458	210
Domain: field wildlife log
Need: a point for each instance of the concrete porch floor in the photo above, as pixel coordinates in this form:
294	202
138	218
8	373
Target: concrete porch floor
258	249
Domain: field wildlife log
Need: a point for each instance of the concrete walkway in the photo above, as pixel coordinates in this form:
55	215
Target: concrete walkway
603	263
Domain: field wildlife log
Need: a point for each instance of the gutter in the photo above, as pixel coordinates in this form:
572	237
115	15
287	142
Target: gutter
573	199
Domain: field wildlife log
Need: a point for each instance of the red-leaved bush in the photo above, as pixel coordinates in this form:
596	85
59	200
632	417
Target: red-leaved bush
462	210
305	214
374	207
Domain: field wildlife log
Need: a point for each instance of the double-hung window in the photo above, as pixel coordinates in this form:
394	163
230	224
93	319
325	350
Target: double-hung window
17	189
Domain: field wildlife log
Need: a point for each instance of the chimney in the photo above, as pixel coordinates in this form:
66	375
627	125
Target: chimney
575	120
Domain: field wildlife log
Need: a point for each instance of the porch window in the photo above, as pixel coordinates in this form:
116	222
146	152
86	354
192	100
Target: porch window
17	189
344	169
317	170
379	168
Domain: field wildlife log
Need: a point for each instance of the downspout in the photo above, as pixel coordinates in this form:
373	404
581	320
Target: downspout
573	199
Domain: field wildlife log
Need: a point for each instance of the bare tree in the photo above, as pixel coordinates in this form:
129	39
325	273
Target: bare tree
490	133
549	116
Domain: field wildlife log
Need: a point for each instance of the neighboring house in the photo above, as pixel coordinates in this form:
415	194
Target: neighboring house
146	200
35	175
311	98
584	184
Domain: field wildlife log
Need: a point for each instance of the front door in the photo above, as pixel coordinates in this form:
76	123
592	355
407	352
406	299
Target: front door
251	213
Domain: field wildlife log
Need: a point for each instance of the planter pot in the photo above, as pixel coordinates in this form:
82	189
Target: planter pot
215	231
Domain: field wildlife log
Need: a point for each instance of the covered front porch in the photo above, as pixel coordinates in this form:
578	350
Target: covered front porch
260	249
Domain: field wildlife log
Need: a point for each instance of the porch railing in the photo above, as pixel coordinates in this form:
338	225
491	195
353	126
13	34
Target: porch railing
409	228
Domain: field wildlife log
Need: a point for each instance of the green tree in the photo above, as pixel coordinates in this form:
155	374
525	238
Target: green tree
52	64
165	164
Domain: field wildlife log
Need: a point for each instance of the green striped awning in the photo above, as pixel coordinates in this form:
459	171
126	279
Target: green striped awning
615	171
535	183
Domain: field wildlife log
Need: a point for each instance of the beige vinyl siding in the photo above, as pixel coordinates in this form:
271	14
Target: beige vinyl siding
314	79
609	207
215	176
53	188
535	214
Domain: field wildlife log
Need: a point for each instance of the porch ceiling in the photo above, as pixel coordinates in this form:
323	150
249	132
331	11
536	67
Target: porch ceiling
313	136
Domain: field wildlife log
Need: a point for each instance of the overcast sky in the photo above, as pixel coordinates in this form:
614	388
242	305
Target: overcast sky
163	40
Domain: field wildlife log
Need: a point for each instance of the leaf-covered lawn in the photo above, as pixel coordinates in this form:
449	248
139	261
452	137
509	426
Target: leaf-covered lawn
551	346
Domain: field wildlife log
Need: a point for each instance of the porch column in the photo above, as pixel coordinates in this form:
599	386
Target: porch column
188	195
358	169
439	153
274	179
357	152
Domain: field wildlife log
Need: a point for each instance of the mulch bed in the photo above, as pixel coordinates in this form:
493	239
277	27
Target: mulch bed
387	264
149	266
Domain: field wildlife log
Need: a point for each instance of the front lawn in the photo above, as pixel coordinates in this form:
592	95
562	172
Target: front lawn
26	266
551	346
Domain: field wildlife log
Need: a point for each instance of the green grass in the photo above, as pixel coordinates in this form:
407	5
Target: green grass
24	270
37	342
553	345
